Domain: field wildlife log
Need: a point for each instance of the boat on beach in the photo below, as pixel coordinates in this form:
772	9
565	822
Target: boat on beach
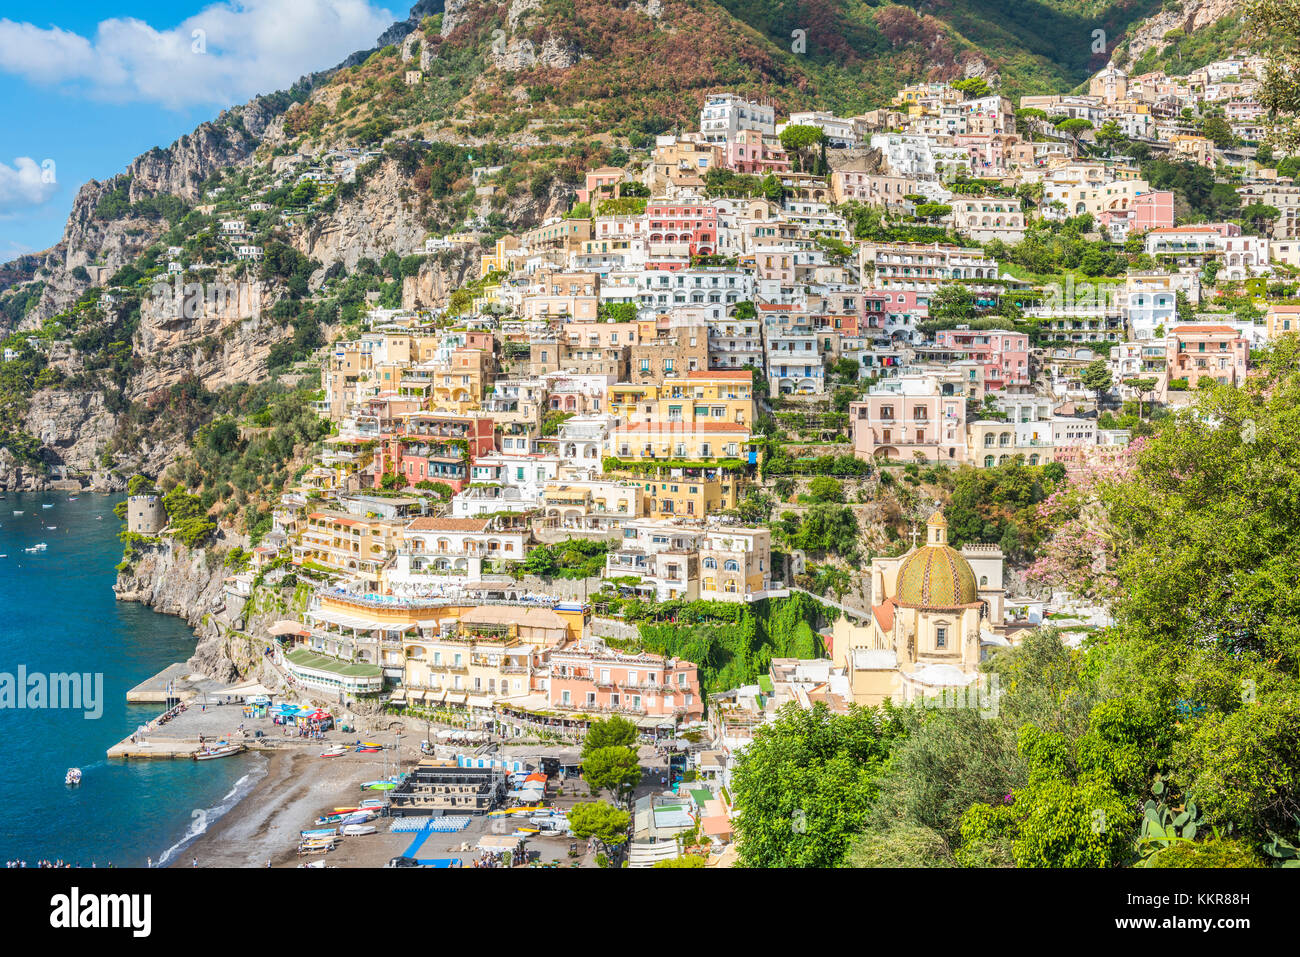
327	819
334	752
73	777
318	832
356	830
222	751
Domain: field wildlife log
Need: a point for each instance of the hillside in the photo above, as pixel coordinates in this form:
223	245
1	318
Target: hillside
511	103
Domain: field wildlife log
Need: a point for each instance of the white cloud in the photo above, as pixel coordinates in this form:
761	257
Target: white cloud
24	185
244	47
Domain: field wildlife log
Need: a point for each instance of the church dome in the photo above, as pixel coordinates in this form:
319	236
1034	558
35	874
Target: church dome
936	575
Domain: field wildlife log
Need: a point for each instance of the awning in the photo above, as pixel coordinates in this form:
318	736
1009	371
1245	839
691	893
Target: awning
287	627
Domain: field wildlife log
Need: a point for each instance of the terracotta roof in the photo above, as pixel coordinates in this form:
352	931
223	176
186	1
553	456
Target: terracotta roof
448	525
1195	329
884	613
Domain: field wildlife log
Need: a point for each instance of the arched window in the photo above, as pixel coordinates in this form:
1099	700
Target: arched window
731	565
710	563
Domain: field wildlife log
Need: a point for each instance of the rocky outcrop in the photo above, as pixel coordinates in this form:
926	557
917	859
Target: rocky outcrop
376	220
431	287
218	339
73	425
1190	16
19	476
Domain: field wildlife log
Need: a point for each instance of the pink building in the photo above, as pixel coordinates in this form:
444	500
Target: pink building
1153	210
695	224
595	679
747	152
1195	352
600	184
914	415
1004	355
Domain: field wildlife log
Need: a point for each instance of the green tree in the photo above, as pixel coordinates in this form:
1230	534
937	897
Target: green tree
613	769
803	786
799	140
598	819
1096	378
612	732
823	488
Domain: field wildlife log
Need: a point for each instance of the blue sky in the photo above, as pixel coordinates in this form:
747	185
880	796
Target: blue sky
87	87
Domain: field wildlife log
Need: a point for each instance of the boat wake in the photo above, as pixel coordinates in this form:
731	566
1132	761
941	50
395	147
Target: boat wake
204	818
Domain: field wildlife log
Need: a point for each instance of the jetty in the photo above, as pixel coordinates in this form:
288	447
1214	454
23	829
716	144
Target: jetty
184	685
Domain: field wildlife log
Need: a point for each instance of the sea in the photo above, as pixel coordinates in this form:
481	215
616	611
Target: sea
58	614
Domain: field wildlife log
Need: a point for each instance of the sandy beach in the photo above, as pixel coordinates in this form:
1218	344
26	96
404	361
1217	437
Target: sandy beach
298	786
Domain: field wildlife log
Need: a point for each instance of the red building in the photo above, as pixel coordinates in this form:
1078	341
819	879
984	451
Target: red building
695	224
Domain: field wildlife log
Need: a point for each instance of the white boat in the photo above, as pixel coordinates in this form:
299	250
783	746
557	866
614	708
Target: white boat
356	830
224	751
73	777
17	511
39	547
48	506
334	752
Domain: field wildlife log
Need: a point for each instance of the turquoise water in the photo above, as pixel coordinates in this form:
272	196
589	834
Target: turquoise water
58	614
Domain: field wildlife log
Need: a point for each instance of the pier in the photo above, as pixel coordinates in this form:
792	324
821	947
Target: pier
184	686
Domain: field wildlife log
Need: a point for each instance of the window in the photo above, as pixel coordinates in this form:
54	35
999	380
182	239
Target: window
941	636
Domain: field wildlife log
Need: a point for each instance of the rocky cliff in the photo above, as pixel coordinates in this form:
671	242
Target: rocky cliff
190	583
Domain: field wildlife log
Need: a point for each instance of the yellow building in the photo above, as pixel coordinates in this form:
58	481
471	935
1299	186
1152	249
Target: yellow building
929	610
347	543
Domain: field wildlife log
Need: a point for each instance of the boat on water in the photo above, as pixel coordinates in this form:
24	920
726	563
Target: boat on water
356	830
39	547
18	511
73	777
334	752
222	751
47	505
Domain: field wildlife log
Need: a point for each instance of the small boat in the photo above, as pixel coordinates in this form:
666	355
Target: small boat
370	744
50	505
72	498
36	548
223	751
334	752
360	817
371	802
327	819
313	864
18	511
319	832
356	830
527	830
379	786
73	777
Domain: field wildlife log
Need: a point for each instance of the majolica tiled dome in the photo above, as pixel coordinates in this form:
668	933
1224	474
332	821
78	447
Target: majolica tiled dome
936	575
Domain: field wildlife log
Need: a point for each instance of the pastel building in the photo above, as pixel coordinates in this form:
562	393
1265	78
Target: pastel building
1195	352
